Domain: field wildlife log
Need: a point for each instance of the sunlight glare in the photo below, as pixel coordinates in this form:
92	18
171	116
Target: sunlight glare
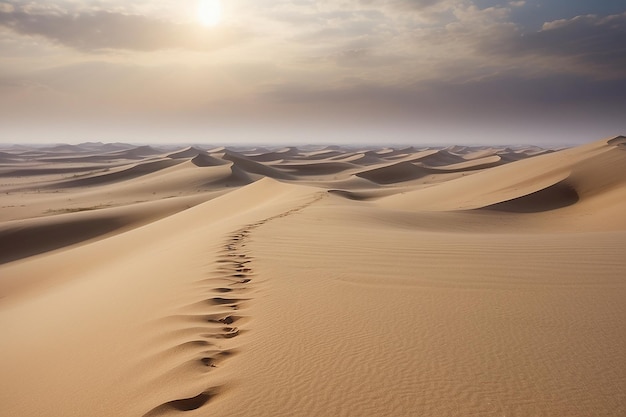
209	12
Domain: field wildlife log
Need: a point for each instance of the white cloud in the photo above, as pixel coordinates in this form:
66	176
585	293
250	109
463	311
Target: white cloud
106	30
6	8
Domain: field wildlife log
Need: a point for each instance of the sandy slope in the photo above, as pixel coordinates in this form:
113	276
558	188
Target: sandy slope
398	321
373	282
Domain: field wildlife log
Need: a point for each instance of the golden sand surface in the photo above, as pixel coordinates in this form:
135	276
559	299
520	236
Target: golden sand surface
329	281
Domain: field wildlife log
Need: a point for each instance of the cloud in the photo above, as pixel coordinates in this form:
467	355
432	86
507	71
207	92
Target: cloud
413	4
6	8
509	107
429	12
369	62
594	44
489	100
416	4
102	30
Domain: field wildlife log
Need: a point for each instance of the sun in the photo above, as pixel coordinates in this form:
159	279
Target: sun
209	12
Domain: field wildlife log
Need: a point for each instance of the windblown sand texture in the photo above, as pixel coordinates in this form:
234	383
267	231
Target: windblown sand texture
466	281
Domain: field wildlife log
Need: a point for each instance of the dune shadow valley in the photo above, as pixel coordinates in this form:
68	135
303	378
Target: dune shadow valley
312	280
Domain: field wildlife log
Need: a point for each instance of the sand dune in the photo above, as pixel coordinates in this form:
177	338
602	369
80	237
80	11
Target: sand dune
397	172
138	152
552	197
441	158
248	165
390	153
219	149
267	156
21	171
65	149
23	238
205	160
8	158
190	152
313	282
363	159
518	179
85	159
480	153
617	141
134	171
323	154
316	168
509	155
471	165
590	177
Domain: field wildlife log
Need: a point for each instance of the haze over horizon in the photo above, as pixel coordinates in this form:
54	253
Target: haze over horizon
297	71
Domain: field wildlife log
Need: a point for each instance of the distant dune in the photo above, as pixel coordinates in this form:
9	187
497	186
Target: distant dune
397	172
190	152
205	160
261	281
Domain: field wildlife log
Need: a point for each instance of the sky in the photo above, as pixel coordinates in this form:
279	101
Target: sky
544	72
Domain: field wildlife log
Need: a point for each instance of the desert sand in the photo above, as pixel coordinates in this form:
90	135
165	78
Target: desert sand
313	281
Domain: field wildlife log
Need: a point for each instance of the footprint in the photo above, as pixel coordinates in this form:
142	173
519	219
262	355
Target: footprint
227	333
210	362
228	319
223	301
185	404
